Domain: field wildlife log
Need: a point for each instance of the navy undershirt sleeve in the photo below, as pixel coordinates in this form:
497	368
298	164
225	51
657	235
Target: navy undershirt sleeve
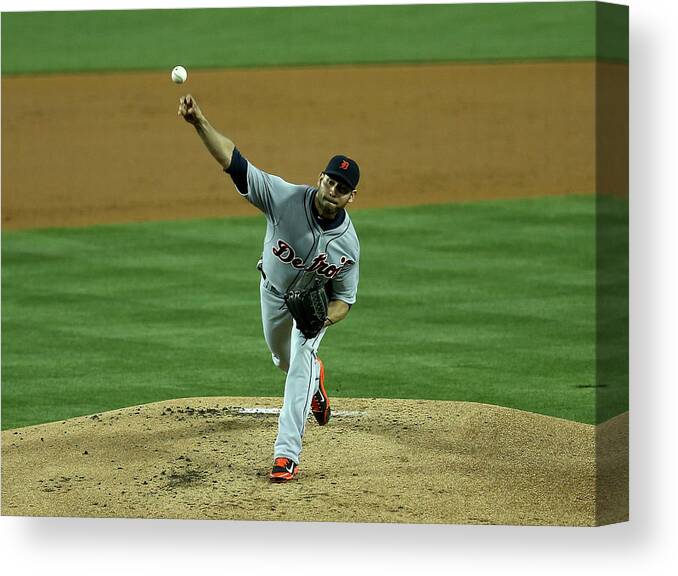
238	171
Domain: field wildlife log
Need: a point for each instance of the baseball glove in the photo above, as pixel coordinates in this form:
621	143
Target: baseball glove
309	309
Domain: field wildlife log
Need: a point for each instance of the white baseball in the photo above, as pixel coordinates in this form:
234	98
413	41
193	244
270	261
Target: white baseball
179	74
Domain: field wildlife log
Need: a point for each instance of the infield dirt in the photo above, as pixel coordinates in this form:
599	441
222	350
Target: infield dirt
85	149
393	461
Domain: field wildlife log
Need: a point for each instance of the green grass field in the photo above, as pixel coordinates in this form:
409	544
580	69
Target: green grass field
41	42
517	303
486	302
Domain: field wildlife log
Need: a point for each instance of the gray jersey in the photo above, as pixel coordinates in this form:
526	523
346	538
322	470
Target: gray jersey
296	249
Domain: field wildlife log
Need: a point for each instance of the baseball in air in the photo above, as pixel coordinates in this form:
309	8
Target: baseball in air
179	74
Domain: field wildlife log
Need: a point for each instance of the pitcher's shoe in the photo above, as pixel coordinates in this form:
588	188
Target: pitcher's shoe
284	469
320	404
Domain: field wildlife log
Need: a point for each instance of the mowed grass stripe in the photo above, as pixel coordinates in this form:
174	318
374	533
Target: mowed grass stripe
43	42
488	302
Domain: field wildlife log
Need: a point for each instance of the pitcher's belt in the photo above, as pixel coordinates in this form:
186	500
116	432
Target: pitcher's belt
267	284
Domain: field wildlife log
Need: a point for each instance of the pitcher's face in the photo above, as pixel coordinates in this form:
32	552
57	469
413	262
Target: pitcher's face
332	195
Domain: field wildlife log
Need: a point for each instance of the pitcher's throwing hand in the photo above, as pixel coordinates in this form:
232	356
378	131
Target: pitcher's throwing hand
189	109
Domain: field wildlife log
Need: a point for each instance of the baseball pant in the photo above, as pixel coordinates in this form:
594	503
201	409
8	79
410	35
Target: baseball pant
297	356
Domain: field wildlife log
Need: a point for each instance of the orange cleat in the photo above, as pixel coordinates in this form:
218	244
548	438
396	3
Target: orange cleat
320	404
284	470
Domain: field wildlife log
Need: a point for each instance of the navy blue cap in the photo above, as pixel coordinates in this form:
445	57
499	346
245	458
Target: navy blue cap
344	170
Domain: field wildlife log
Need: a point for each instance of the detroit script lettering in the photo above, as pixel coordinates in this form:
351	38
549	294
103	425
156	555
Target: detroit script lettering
319	264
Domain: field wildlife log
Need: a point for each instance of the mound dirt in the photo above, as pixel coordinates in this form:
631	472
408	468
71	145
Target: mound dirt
377	460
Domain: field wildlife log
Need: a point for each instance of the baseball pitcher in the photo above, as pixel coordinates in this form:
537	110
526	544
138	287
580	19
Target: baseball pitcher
309	275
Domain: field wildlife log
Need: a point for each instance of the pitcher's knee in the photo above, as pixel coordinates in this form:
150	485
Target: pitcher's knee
279	363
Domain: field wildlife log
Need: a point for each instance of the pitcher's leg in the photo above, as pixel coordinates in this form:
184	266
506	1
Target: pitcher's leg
301	384
277	325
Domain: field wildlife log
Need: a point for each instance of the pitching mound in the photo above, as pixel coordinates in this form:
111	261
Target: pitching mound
376	461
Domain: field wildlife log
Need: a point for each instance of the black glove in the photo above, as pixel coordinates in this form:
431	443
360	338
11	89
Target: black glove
309	309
